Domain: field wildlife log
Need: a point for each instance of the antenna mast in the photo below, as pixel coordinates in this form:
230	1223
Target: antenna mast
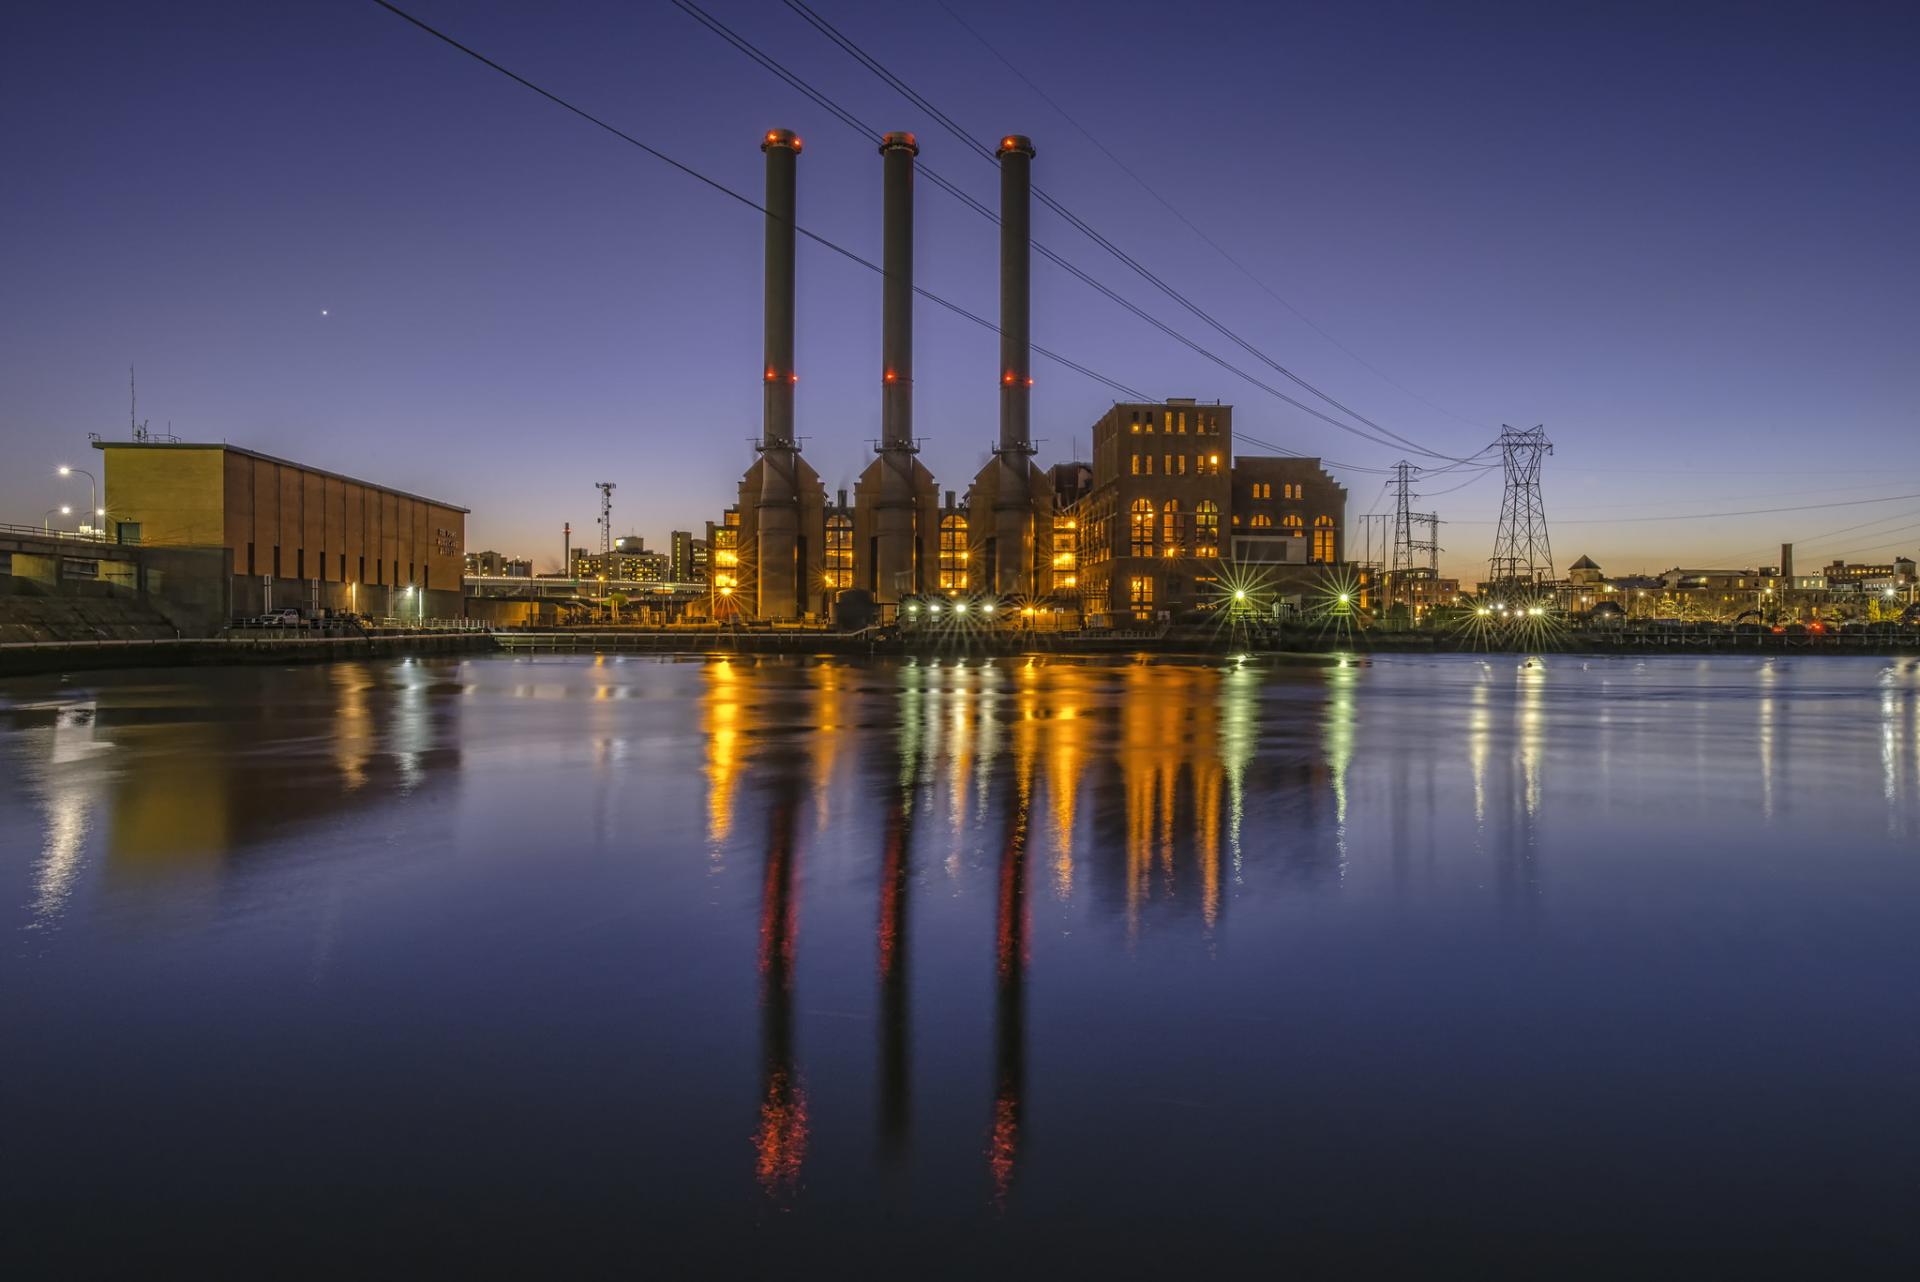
606	522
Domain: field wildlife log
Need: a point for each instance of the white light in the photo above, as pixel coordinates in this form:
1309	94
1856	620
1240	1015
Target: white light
1239	594
986	609
1344	598
960	608
65	470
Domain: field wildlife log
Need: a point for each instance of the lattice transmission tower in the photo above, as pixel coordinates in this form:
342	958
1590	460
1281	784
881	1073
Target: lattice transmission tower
1522	554
606	522
1403	497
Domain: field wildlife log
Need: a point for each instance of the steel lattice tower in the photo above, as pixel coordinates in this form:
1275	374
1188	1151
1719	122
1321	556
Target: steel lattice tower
1522	555
606	522
1403	496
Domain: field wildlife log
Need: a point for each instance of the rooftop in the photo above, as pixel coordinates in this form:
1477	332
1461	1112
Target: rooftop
282	462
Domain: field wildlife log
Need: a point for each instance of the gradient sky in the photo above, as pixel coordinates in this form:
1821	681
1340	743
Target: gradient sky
1681	236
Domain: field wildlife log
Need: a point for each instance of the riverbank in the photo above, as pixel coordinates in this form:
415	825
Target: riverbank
26	659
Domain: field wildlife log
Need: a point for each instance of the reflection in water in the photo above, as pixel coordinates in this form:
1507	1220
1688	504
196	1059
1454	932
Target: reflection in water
720	719
896	883
780	1141
1010	950
1225	841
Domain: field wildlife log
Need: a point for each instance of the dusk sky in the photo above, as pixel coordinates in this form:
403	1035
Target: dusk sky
1680	236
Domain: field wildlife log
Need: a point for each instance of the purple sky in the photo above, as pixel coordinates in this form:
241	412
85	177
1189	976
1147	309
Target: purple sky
1680	236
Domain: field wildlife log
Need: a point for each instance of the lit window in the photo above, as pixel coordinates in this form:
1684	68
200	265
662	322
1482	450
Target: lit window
1260	521
1323	549
1141	543
839	565
1170	531
1206	528
1140	596
1293	523
953	553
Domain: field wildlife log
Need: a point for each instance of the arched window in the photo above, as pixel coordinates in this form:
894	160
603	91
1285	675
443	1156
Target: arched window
1294	524
1141	543
1323	538
839	565
1206	528
953	553
1170	531
1260	521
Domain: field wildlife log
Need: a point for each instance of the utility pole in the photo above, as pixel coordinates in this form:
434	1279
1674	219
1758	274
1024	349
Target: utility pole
1522	555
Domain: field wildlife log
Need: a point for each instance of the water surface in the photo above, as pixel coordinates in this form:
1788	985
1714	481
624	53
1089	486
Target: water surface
589	967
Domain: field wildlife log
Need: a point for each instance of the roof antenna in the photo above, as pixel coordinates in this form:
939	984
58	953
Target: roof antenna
133	410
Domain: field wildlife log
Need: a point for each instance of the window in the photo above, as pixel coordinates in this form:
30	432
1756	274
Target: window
1213	465
343	567
1182	420
1140	596
1293	523
839	568
250	569
1206	528
129	532
300	563
1136	459
1260	521
1183	465
1167	466
362	576
1149	465
1323	538
1142	540
1170	530
276	560
953	553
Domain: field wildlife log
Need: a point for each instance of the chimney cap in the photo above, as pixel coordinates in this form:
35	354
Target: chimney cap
1015	144
781	138
897	141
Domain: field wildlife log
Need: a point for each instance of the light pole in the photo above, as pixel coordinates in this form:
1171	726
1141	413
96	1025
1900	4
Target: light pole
93	490
46	519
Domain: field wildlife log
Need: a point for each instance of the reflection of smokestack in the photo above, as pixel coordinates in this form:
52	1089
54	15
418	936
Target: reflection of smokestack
1010	1022
778	513
895	1029
1013	506
893	514
780	1140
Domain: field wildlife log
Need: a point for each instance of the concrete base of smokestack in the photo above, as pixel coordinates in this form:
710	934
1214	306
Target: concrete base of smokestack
1013	528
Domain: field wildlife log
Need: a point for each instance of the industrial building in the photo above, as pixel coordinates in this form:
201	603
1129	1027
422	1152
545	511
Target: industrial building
298	536
1077	536
492	564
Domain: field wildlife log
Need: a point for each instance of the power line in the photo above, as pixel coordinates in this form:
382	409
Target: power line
867	131
900	86
1712	516
1169	206
749	202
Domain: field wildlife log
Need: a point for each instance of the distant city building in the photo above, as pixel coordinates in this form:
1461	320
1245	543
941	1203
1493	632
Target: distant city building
628	562
686	558
498	565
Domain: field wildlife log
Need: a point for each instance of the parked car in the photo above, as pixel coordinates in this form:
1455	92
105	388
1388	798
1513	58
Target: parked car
282	618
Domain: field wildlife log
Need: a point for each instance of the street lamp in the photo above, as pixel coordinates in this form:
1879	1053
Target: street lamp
93	490
46	520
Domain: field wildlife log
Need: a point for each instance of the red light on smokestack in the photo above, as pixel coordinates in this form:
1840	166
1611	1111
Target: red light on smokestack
1029	382
771	376
1007	377
889	376
793	378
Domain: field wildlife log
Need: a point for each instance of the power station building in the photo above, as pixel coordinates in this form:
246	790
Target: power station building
1139	532
298	536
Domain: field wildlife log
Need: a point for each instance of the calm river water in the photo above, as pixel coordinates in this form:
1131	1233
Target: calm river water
655	968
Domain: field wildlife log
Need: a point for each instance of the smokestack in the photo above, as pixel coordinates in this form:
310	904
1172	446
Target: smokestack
566	549
1016	271
896	301
893	508
1786	563
1011	556
778	511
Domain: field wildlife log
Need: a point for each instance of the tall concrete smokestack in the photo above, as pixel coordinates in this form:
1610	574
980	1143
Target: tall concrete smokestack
1013	503
1786	563
893	509
777	566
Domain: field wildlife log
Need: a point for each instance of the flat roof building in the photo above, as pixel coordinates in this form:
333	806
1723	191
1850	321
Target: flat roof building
301	536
